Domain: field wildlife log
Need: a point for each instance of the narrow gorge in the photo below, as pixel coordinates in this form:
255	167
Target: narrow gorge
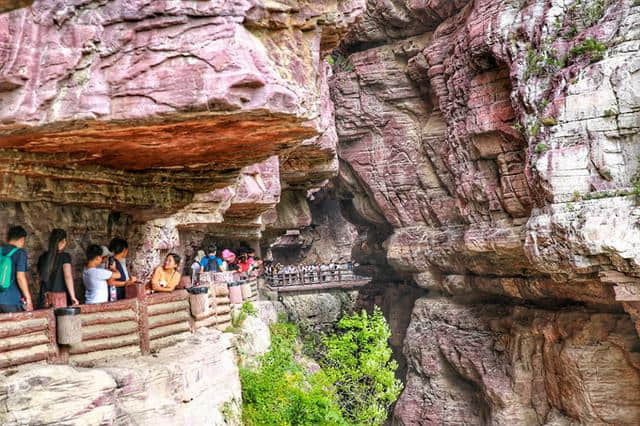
478	160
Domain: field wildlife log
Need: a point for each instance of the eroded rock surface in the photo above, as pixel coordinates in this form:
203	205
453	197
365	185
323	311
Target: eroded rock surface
492	148
194	382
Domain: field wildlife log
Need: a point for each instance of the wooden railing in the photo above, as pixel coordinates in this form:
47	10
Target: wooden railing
318	276
140	324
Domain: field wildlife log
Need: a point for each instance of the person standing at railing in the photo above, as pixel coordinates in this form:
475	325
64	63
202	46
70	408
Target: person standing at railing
120	250
166	277
211	262
95	277
56	278
13	273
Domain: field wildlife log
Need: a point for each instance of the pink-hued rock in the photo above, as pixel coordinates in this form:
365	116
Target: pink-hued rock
169	98
493	364
492	153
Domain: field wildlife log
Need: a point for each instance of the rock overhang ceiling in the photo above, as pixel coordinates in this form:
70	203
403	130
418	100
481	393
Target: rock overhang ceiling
144	104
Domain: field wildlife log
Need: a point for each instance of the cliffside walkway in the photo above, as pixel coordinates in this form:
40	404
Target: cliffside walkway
301	280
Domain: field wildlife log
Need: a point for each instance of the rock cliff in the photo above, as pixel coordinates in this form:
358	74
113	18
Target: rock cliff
486	152
492	147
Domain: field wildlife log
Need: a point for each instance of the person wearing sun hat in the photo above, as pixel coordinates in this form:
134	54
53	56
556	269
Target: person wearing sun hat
230	259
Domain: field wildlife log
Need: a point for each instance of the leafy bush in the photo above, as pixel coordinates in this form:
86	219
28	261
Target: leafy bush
281	392
542	148
339	63
249	309
591	47
358	362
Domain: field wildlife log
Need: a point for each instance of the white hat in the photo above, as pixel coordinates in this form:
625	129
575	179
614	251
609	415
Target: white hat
105	251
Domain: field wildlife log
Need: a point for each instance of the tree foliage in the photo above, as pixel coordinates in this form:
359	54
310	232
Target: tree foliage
358	363
281	392
356	385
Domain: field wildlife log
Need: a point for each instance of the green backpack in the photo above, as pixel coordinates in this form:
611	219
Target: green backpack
6	269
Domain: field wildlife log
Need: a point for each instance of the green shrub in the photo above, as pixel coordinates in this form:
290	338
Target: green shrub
358	362
339	63
583	14
542	148
280	392
249	309
591	47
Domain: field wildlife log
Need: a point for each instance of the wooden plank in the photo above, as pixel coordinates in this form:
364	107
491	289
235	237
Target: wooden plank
173	296
24	356
167	341
223	301
120	305
170	318
163	308
108	317
106	343
22	316
101	331
24	341
207	322
223	319
223	309
168	330
25	326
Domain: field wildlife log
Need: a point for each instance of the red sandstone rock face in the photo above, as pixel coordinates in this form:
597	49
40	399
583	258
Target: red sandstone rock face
502	160
136	92
492	364
8	5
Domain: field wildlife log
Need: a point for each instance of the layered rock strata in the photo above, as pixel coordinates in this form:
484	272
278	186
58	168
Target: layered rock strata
496	145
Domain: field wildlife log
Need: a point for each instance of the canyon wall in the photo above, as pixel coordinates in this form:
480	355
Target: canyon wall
492	149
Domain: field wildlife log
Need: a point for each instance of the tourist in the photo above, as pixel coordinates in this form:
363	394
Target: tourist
195	271
56	278
211	262
166	277
95	276
229	258
120	250
15	296
243	262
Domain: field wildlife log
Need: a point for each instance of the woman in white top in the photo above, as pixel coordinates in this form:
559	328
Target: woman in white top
95	277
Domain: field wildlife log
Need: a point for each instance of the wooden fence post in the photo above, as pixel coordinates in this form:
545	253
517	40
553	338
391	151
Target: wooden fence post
143	318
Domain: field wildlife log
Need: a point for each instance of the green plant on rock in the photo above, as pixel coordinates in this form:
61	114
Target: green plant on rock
582	14
358	361
549	121
542	62
249	309
542	148
339	62
534	129
591	47
281	392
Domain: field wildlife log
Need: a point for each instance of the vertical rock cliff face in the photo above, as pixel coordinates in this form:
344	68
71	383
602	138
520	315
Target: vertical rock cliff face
493	148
